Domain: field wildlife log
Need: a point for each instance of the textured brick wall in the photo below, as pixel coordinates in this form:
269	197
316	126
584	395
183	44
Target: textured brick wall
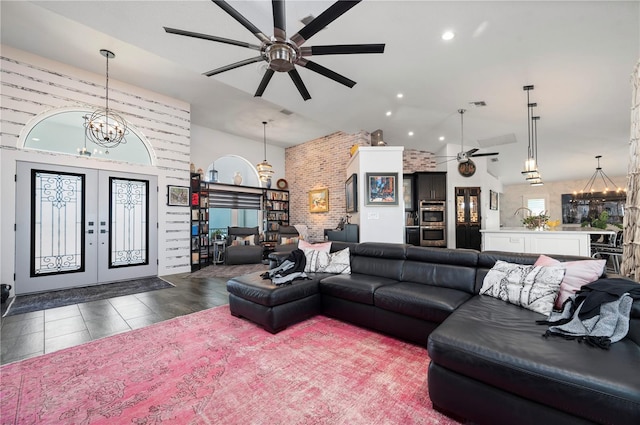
414	160
322	163
318	164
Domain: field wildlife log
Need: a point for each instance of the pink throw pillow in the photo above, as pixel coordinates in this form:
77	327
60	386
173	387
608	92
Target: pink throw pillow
578	274
322	247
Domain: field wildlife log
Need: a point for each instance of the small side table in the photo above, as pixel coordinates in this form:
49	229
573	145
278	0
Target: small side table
218	251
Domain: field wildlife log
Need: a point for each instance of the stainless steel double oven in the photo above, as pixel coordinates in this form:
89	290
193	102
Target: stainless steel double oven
433	229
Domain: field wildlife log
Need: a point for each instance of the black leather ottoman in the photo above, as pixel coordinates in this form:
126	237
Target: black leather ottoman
273	307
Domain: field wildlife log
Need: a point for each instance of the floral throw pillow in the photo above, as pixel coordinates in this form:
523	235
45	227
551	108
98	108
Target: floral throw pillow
532	287
338	262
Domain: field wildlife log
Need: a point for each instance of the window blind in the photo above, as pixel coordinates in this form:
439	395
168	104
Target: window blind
234	200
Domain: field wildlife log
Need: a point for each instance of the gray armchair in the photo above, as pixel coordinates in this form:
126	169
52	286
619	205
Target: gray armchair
288	237
243	246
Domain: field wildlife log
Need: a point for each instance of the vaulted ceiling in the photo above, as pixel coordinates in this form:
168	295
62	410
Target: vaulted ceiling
578	54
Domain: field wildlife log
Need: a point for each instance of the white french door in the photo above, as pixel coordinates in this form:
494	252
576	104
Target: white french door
80	227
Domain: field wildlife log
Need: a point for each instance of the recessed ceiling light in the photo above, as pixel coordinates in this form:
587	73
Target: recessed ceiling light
441	138
411	133
388	113
448	35
35	139
399	95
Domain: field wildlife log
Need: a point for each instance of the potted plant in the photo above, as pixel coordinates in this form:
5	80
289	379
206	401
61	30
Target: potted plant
600	222
536	222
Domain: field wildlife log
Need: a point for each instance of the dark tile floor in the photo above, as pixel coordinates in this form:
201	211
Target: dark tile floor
32	334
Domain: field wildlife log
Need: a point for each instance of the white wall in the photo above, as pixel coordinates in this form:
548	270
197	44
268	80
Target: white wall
490	219
383	223
207	145
32	85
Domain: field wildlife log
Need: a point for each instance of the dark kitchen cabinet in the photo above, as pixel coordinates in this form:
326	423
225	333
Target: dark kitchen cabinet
432	186
412	236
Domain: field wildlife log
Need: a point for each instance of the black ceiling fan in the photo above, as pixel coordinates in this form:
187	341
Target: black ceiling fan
464	156
282	53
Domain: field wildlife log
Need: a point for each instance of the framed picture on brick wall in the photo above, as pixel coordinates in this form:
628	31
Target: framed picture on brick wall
319	200
382	189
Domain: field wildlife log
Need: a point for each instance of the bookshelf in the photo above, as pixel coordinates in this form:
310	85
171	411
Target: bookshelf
276	214
199	223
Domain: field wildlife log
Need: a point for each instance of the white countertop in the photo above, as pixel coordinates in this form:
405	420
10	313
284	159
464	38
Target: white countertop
559	229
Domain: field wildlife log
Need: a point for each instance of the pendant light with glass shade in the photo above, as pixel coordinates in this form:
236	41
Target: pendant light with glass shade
265	170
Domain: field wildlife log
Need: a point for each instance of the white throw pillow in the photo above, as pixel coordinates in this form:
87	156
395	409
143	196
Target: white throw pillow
532	287
324	262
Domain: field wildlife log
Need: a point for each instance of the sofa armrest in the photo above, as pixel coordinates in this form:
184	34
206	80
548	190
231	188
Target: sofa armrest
276	258
634	323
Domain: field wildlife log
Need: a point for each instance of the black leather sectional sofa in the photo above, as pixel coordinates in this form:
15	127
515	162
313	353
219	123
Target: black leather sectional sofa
490	363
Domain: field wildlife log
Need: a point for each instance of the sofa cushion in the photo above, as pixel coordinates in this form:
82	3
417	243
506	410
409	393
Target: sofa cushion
323	246
354	287
445	275
487	259
252	287
426	302
501	345
532	287
325	262
578	274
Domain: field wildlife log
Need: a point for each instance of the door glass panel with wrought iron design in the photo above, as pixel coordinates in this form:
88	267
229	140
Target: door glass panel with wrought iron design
129	222
57	233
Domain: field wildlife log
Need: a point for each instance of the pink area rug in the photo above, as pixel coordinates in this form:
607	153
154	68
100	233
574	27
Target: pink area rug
212	368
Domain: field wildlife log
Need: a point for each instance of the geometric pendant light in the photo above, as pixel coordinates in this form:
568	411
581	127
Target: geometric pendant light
104	127
265	170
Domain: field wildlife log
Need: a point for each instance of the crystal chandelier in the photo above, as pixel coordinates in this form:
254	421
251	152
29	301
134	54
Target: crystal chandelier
104	127
265	170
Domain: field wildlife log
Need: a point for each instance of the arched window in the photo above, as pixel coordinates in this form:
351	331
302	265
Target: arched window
63	131
229	166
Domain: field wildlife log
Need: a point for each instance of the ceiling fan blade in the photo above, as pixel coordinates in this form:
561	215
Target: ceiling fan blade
334	11
211	38
299	84
485	154
326	72
263	84
234	66
279	20
470	152
342	49
241	19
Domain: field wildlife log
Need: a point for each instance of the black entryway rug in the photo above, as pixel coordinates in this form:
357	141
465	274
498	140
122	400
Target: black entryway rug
46	300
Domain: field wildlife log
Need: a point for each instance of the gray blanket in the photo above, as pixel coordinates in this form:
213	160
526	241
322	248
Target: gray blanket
603	329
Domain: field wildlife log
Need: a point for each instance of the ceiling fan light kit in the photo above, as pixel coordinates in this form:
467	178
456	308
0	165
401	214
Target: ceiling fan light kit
466	167
282	54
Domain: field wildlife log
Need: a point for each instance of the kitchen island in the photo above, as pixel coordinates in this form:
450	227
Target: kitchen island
561	241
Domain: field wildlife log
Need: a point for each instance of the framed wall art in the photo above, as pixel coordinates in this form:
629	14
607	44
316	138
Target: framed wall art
177	196
382	189
319	200
351	193
493	200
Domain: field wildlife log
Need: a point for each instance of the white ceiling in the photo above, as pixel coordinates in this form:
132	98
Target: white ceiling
578	54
